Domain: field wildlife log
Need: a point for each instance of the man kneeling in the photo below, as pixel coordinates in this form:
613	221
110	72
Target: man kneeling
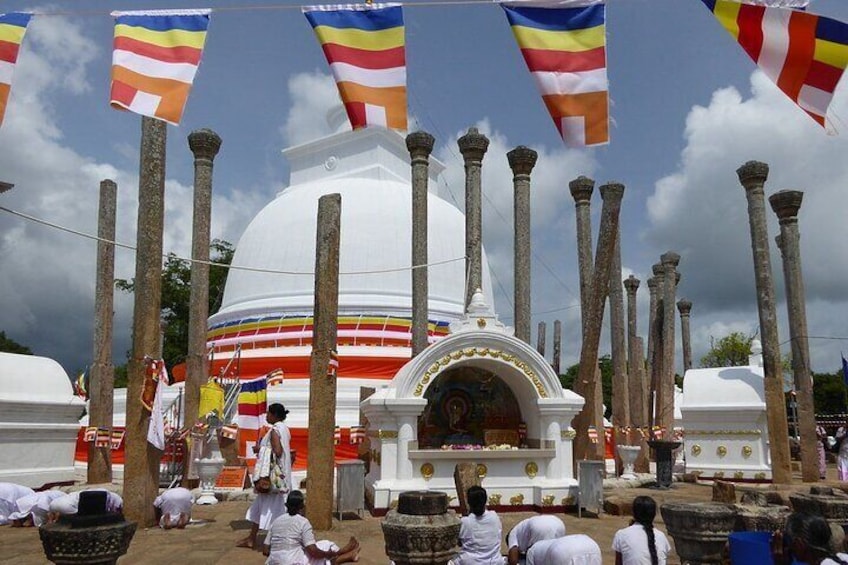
173	508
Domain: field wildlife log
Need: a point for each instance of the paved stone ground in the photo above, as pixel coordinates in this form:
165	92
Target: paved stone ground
213	540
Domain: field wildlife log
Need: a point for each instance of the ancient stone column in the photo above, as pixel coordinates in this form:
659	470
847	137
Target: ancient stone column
665	395
685	307
649	356
141	470
655	344
473	147
786	204
420	145
204	144
620	389
641	435
634	357
555	362
752	176
102	373
521	161
588	375
540	338
581	190
322	383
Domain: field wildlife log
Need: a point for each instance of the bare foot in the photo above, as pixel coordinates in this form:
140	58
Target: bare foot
351	545
246	542
183	521
166	522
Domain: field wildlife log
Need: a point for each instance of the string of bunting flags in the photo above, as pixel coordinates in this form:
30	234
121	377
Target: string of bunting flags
156	55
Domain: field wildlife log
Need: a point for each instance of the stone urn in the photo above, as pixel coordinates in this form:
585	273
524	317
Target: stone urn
208	470
824	501
421	531
665	460
628	454
699	529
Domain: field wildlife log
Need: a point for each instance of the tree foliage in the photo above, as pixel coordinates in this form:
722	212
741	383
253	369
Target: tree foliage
829	393
9	345
605	362
730	351
176	292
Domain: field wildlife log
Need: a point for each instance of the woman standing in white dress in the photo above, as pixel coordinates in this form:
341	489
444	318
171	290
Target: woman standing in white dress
267	507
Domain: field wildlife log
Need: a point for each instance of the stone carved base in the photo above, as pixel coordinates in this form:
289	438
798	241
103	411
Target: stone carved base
96	545
700	529
823	501
422	531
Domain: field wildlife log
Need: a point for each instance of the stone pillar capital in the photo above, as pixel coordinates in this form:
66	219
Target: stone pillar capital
612	191
753	174
420	144
684	307
522	160
657	269
670	260
652	283
631	284
473	145
204	143
786	204
581	189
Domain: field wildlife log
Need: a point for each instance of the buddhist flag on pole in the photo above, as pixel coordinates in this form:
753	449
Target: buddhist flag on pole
12	28
364	46
155	58
252	403
565	51
804	54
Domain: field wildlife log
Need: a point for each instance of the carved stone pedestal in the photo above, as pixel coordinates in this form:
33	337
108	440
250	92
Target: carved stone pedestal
96	545
665	460
422	531
823	501
699	529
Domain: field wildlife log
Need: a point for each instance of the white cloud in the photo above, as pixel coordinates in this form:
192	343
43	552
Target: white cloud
313	96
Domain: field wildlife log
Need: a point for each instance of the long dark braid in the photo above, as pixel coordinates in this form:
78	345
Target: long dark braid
644	511
816	533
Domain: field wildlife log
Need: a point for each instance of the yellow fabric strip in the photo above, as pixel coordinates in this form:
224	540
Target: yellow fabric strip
834	54
727	14
577	40
359	39
174	38
12	34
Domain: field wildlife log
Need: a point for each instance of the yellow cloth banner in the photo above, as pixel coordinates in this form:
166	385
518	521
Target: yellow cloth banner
211	399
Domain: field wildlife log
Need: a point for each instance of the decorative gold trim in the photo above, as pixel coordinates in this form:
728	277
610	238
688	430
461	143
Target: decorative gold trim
481	323
494	499
531	469
760	476
738	475
567	500
548	500
747	451
724	432
427	471
439	365
721	451
383	434
568	434
517	500
482	470
696	450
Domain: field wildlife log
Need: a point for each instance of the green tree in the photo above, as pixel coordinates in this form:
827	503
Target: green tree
176	291
605	362
730	351
829	393
9	345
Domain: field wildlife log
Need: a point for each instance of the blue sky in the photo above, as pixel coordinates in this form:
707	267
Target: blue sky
688	109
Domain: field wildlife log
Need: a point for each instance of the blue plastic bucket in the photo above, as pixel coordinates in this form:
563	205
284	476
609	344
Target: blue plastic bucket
750	548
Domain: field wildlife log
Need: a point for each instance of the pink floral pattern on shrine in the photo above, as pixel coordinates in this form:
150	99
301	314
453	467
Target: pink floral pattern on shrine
478	447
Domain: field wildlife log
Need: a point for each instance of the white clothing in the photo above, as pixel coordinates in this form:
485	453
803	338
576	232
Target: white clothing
288	538
480	539
9	494
534	529
632	544
174	502
829	561
577	549
267	507
37	505
69	504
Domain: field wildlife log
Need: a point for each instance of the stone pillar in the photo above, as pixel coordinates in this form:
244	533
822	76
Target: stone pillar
655	346
204	144
322	383
786	204
620	390
521	161
141	470
555	362
473	147
649	356
419	144
588	375
685	307
102	375
752	176
642	464
635	369
665	398
540	338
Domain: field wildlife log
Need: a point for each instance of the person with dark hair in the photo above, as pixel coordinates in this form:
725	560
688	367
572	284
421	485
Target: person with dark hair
641	543
268	505
528	532
806	539
290	540
479	533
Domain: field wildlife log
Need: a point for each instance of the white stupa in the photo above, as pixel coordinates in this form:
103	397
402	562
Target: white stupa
270	315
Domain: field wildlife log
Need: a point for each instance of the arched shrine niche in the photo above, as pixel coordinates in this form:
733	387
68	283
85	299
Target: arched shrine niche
469	405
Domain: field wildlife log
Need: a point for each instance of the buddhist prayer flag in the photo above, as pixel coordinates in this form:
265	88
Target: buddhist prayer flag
155	58
90	434
275	377
252	403
337	435
333	365
365	48
12	29
565	51
117	439
804	54
229	432
593	434
357	434
103	438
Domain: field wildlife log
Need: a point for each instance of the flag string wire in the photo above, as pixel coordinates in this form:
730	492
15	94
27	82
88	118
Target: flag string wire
224	265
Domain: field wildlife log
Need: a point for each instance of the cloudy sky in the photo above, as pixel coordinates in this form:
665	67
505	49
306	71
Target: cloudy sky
688	109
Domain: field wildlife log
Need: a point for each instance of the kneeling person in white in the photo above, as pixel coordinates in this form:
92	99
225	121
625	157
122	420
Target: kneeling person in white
9	495
528	532
173	508
578	549
480	533
641	543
